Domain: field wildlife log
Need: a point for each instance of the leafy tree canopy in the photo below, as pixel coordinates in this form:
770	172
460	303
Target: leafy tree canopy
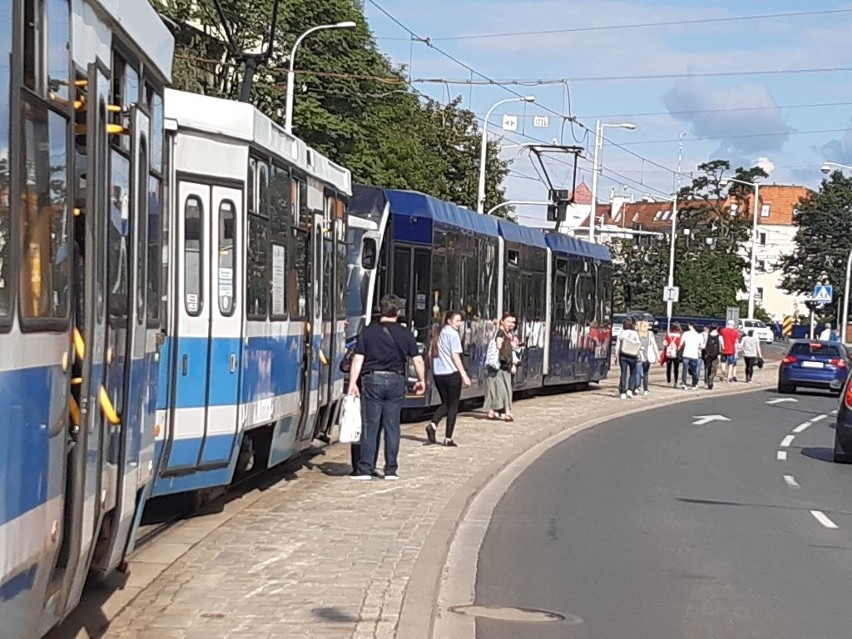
351	103
709	247
824	224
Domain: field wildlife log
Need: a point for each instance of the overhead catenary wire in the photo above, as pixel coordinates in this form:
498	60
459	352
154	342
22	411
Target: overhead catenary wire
643	25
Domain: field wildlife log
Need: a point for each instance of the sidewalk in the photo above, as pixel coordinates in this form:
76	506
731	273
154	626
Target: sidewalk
318	555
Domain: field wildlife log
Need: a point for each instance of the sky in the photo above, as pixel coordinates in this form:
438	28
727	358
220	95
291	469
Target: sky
789	119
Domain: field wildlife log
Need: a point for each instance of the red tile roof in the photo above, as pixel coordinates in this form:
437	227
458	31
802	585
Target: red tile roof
782	201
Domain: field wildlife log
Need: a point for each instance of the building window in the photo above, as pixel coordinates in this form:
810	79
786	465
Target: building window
761	239
759	294
761	266
764	210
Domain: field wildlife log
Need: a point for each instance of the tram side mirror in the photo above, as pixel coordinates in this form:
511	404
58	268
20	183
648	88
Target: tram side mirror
369	253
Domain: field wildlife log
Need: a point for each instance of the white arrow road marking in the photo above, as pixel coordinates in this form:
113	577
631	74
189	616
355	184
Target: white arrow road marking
781	455
791	481
823	519
785	443
700	420
781	400
802	427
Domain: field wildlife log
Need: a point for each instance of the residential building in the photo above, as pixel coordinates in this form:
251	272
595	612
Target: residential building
776	230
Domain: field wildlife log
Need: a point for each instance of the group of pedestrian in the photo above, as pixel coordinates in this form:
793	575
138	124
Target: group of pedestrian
378	376
715	351
636	350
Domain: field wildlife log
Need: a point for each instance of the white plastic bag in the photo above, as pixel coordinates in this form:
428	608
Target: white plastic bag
350	420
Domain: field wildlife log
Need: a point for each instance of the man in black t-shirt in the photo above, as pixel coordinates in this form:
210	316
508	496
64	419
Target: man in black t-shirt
380	362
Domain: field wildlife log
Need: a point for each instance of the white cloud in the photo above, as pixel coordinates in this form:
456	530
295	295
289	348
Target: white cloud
839	149
765	163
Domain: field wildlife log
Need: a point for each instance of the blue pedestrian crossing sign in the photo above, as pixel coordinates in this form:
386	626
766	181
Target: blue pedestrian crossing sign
823	294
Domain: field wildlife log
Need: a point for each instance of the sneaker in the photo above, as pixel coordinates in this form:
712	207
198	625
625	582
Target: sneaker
683	386
647	393
391	477
360	477
630	393
450	442
693	387
430	433
623	396
735	379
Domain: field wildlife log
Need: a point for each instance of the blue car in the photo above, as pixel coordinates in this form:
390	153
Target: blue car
814	364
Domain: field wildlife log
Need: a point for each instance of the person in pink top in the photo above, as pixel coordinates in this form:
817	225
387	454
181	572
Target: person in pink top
731	337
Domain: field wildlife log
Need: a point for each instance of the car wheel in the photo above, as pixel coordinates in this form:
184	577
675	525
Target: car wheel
786	390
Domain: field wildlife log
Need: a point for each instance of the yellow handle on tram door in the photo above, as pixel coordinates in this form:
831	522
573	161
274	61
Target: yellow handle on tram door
107	407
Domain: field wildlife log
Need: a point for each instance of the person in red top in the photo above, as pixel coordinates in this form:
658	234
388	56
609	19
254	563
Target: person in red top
730	336
671	344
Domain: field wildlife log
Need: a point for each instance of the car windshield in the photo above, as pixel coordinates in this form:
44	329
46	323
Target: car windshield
816	348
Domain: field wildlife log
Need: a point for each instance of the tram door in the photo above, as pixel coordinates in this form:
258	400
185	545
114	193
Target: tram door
208	344
312	366
125	394
411	268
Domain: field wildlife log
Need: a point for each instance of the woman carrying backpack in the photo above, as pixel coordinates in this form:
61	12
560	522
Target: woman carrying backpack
671	344
627	348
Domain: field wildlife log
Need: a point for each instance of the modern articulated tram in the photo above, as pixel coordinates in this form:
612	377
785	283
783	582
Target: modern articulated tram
438	257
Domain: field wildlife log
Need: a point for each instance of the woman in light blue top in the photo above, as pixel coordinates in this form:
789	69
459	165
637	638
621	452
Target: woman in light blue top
448	374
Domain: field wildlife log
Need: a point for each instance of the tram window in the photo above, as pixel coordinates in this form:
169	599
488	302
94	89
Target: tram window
488	279
439	282
471	283
46	258
157	123
155	265
402	274
327	277
341	274
33	44
252	177
193	261
142	292
227	237
257	275
5	118
58	47
261	207
279	202
297	285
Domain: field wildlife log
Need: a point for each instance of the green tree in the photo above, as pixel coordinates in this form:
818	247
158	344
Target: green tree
351	104
824	224
709	249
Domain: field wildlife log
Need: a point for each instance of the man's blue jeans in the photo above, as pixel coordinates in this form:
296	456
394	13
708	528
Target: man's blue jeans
382	395
691	367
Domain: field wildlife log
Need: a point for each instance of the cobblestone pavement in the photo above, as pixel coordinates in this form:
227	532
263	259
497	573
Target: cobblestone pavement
320	555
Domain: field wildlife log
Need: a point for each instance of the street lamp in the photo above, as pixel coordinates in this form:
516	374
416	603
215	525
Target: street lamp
752	277
480	198
596	168
291	74
827	166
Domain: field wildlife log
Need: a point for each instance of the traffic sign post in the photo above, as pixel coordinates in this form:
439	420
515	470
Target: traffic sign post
823	293
671	294
732	313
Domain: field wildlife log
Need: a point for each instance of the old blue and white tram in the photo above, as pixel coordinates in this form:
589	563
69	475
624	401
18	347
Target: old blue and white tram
81	175
257	294
437	256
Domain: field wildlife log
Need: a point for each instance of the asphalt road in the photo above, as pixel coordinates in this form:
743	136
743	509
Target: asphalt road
654	527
